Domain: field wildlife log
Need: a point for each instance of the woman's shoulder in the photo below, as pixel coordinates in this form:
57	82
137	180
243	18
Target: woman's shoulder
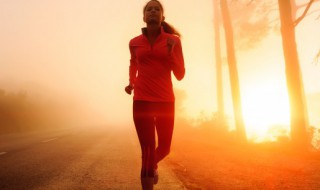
136	40
173	36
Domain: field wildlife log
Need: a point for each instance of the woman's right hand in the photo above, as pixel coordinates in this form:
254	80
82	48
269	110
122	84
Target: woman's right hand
128	89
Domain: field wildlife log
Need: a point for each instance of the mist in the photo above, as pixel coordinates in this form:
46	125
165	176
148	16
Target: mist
76	56
68	54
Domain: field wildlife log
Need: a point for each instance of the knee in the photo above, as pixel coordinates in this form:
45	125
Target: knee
165	151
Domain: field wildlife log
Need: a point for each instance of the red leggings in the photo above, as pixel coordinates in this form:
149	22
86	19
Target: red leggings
149	118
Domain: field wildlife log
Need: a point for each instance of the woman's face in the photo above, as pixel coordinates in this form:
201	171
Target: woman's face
153	13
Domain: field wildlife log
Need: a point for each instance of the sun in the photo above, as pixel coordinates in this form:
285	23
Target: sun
266	112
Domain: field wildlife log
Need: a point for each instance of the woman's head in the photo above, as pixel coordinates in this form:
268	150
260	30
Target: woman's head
153	13
153	1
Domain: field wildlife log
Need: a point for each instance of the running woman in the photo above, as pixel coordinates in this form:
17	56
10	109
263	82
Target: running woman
155	54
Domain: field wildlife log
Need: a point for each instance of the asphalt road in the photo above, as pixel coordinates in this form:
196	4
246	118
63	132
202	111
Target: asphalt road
75	159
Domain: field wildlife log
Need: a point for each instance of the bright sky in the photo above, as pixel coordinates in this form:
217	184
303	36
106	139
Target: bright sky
80	48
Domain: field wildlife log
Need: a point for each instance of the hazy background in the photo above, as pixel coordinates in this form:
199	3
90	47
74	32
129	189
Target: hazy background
74	54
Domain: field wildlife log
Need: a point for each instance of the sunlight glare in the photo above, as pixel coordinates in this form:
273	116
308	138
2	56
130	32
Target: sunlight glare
266	108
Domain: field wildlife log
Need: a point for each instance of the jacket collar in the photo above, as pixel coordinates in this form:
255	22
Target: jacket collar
144	31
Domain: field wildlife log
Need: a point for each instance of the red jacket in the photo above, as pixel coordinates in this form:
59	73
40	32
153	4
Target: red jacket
151	66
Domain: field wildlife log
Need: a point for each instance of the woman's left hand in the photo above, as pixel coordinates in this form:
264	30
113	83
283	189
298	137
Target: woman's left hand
170	44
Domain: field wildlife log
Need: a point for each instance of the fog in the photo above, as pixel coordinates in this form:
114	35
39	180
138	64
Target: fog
74	58
67	53
61	51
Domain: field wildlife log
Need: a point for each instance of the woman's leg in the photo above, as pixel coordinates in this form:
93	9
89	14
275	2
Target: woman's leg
164	126
145	127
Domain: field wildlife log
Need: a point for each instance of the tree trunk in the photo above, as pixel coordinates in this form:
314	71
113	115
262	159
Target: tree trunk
220	100
233	72
298	111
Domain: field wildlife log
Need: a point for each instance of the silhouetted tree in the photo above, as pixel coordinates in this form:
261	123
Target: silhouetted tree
298	110
233	71
220	101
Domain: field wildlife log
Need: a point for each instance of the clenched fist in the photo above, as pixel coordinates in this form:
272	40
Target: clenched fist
128	89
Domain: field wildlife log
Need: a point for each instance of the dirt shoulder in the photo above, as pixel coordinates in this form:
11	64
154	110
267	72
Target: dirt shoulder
204	161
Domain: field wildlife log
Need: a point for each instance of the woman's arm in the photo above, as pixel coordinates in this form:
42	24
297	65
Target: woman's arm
132	67
176	57
132	72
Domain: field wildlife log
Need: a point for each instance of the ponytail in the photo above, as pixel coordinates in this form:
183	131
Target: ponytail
168	28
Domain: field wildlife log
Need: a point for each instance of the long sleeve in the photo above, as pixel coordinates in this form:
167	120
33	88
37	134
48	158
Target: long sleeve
177	61
152	66
132	67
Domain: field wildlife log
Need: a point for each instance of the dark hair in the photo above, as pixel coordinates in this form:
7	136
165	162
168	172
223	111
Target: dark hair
168	28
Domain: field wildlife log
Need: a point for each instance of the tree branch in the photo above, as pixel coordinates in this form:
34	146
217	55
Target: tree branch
250	2
312	12
316	58
295	23
305	4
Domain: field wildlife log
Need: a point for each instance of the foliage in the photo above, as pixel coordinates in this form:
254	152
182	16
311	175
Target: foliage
19	113
215	126
251	21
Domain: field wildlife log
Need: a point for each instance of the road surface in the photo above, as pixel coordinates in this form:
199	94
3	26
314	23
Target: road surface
77	158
